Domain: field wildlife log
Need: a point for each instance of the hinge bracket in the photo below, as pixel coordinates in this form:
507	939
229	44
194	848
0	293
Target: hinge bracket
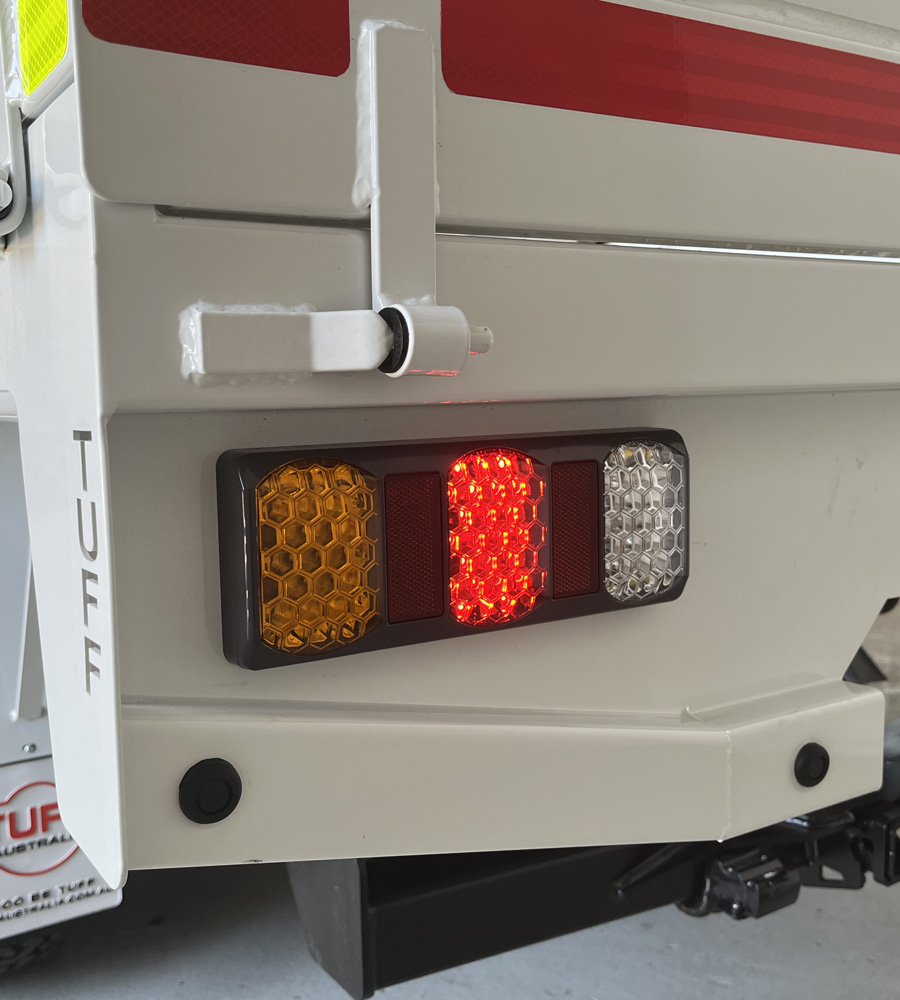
405	332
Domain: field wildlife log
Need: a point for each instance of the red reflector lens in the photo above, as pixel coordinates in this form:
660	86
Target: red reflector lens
497	534
575	520
414	537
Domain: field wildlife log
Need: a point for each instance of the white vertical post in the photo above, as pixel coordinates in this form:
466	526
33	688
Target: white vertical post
397	137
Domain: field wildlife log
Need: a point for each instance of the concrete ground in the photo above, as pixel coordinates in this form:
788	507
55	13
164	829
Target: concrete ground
226	934
233	934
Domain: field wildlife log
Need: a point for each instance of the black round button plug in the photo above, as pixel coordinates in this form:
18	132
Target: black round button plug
210	791
215	798
811	765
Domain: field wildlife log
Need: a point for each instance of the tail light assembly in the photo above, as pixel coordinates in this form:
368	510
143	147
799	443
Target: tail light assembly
336	551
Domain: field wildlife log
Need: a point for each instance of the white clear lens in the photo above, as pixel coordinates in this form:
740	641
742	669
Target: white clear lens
645	515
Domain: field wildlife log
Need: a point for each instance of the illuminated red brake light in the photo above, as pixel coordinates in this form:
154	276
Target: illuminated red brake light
498	530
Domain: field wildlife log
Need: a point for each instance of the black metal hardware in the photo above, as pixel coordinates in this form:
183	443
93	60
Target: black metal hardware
748	884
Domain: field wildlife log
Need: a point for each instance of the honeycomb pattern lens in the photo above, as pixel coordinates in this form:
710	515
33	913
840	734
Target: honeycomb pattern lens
43	37
318	572
645	515
498	528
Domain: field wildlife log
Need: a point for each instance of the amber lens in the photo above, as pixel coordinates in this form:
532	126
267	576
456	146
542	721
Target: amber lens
317	556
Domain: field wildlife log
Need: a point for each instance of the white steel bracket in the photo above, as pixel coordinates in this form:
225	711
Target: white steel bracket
13	183
405	332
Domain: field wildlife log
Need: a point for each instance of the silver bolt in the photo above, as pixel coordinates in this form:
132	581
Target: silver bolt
29	748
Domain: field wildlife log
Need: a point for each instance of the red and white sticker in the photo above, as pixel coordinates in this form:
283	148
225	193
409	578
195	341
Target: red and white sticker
44	877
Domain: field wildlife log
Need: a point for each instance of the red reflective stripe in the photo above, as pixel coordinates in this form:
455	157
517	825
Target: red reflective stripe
575	528
605	58
308	36
414	537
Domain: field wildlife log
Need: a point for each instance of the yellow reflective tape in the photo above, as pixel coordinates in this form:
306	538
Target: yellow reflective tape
43	38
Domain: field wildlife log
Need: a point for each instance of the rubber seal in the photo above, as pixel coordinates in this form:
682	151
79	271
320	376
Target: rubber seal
12	204
400	346
210	791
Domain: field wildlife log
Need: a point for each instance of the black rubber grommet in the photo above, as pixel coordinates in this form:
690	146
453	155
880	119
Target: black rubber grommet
400	346
210	791
811	765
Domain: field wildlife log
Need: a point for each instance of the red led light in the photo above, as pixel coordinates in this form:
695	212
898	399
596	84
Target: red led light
498	529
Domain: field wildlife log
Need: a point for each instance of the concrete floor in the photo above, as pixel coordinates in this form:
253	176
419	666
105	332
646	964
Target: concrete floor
233	933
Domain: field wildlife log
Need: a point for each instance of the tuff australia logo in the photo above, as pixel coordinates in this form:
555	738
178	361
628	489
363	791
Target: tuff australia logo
33	839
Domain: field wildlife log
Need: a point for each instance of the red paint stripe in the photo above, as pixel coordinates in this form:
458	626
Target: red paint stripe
605	58
307	36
